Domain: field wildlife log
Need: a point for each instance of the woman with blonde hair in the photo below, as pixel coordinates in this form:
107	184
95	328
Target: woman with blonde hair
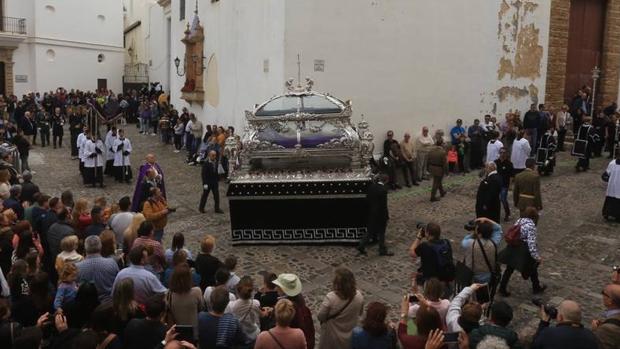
81	216
339	313
131	233
283	336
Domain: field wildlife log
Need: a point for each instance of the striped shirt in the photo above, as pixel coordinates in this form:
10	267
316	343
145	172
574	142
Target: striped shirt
100	271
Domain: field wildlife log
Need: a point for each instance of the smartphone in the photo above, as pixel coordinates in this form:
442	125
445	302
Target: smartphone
413	298
483	295
451	337
185	333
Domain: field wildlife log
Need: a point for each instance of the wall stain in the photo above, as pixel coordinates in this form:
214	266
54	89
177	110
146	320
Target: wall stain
533	93
529	53
505	68
511	91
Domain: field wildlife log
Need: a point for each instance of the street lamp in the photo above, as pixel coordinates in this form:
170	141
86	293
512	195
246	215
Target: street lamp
596	74
177	63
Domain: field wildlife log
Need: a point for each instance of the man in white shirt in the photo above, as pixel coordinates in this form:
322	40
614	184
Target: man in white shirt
494	147
561	119
121	220
520	152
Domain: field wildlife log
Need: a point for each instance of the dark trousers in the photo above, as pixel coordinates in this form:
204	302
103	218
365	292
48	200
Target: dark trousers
45	138
408	168
561	137
94	175
109	167
123	173
57	137
205	194
178	141
191	149
374	231
74	148
461	161
437	185
508	273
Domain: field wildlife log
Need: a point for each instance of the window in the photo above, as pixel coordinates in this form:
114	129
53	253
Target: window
50	55
182	10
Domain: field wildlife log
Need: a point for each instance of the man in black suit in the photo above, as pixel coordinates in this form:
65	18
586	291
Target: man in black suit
488	202
378	216
210	180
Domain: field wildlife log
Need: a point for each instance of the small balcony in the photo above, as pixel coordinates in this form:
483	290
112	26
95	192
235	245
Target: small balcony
12	31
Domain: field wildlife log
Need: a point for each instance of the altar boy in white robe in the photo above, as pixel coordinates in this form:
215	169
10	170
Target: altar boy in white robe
93	160
81	141
122	165
110	137
611	208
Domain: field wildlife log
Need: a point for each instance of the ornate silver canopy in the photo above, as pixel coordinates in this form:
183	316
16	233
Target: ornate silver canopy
302	132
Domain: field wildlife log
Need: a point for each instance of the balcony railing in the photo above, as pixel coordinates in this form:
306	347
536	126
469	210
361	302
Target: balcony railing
13	25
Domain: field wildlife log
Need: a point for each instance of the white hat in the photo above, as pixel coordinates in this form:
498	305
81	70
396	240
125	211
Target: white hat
289	283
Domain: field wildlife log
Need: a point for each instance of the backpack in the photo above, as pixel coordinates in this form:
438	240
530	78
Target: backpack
445	263
513	235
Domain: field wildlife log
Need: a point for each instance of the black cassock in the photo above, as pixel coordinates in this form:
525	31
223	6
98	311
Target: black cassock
582	148
488	203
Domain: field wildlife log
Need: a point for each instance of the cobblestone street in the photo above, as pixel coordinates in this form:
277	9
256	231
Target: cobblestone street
577	245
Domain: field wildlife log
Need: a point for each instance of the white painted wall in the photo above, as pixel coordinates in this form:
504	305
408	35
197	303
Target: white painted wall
404	63
407	63
241	34
157	42
77	31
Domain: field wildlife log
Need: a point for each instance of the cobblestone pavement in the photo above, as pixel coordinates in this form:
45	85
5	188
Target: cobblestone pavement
577	245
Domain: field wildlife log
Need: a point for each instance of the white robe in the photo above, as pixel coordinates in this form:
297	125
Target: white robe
520	152
613	186
80	144
493	149
109	143
118	154
89	149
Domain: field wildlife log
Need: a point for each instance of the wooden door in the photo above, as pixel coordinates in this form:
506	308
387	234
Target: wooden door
102	84
585	43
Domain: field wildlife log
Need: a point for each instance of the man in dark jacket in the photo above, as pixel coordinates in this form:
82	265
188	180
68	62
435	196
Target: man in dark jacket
14	201
487	198
531	124
501	315
210	180
607	327
378	217
567	334
28	188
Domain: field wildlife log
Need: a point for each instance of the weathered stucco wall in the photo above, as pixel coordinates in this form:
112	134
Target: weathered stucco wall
407	63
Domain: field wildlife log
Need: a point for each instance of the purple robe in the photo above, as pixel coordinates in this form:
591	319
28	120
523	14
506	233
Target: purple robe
137	194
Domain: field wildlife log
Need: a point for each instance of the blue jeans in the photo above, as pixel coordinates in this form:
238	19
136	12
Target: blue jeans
159	234
503	197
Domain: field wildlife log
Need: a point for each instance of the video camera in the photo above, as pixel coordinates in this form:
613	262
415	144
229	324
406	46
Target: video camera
549	309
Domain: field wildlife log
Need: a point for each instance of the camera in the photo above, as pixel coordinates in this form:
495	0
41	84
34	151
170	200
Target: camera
421	227
470	226
549	309
616	268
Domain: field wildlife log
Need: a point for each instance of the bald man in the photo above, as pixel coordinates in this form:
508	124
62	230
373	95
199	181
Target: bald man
568	333
488	203
210	179
408	152
150	164
607	328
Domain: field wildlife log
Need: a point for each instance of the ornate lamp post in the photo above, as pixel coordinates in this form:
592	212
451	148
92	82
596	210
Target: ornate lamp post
596	74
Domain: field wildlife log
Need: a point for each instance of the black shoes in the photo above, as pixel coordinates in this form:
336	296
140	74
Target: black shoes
201	210
434	199
361	252
540	289
386	253
219	211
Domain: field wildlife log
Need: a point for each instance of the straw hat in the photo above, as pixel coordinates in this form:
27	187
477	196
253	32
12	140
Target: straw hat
289	283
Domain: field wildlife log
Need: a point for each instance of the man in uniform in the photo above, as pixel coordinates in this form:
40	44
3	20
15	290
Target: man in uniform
526	189
378	216
438	167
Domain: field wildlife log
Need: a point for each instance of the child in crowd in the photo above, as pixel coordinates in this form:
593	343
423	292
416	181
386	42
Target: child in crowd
69	254
231	264
453	159
67	286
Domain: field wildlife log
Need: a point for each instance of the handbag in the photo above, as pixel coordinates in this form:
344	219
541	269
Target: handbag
169	315
464	275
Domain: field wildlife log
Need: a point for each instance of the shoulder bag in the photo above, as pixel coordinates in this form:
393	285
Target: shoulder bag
275	339
494	270
169	315
336	314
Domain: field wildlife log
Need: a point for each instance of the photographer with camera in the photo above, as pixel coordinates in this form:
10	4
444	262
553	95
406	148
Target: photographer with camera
480	249
435	255
568	333
607	328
